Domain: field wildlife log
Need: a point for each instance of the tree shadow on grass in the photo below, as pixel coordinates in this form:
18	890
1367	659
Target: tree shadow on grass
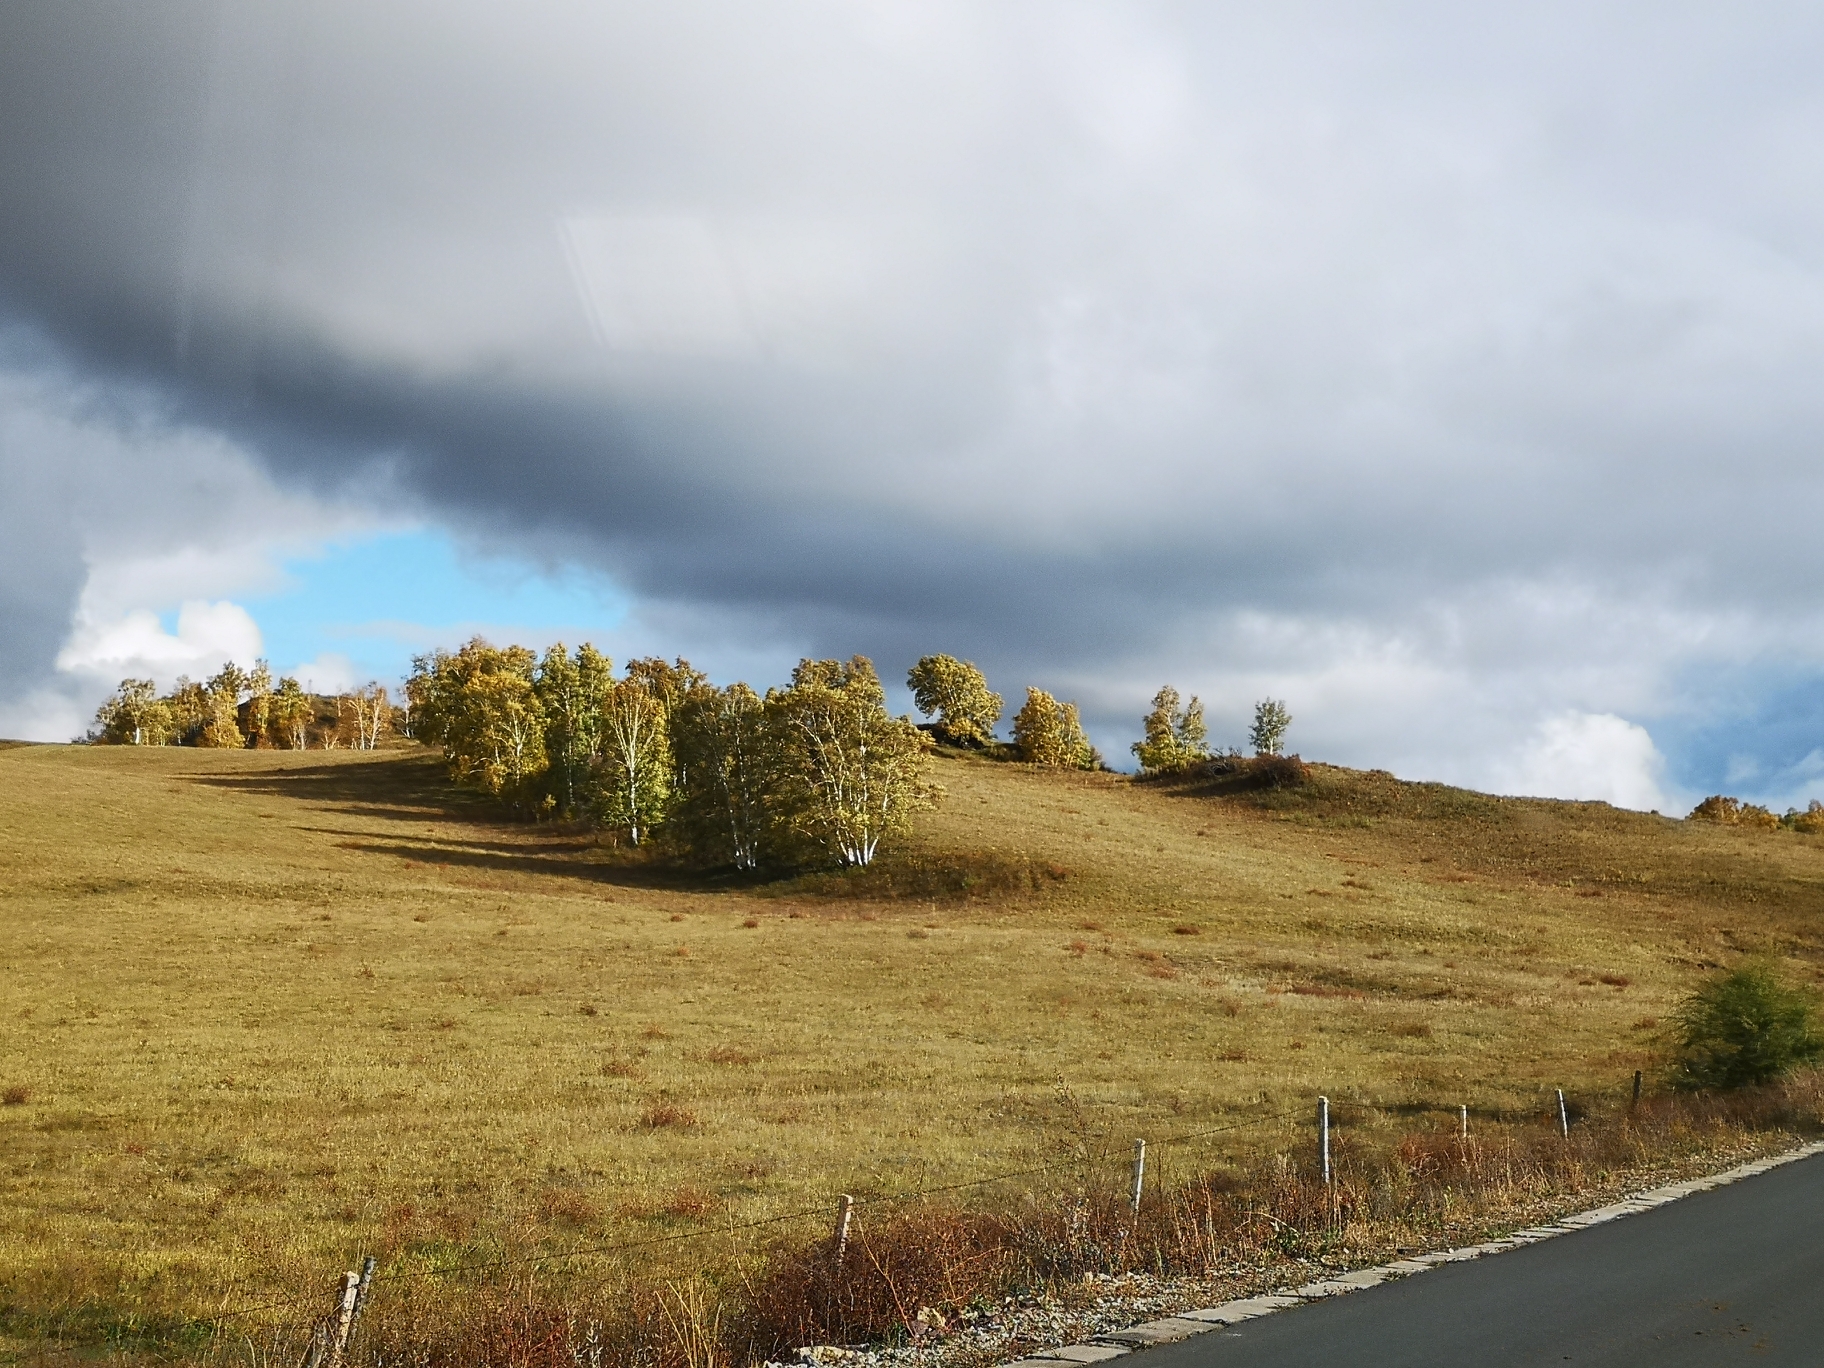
415	789
495	858
409	789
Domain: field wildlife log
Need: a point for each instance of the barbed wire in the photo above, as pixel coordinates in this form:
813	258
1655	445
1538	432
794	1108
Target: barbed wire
608	1249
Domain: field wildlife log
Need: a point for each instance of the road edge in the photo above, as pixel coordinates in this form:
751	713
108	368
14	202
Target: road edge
1182	1326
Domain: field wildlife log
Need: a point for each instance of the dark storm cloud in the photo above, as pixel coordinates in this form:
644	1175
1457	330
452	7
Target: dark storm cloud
1040	333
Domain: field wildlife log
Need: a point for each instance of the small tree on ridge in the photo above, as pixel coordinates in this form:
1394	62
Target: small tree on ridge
1175	736
1050	733
957	693
1268	734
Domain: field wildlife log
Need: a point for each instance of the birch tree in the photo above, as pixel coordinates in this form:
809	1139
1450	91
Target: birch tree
289	715
372	713
572	691
720	744
190	711
259	703
480	707
134	716
633	787
958	695
222	729
503	726
671	683
1050	733
1175	735
1268	734
850	773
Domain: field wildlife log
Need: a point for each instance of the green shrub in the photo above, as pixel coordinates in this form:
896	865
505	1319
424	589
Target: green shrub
1744	1025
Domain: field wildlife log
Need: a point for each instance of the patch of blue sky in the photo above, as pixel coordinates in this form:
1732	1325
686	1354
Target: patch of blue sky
379	601
1755	733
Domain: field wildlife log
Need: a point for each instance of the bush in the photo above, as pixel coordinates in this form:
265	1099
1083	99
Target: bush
1810	821
1728	811
1743	1026
1279	771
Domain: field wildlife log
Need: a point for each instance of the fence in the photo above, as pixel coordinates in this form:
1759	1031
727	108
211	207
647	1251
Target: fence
1118	1186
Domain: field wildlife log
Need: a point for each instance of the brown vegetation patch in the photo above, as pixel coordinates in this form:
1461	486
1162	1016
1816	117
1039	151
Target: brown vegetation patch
16	1095
664	1114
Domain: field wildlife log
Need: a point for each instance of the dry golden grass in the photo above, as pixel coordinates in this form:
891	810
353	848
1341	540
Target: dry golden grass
265	1011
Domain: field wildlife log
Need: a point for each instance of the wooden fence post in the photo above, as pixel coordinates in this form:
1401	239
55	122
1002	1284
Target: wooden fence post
1323	1135
844	1212
1139	1173
361	1289
341	1321
1465	1110
1636	1102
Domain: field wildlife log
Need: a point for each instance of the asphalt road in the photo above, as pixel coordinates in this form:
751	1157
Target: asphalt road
1733	1275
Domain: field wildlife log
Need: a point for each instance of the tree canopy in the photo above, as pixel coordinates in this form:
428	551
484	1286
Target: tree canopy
1175	735
819	768
1049	733
239	708
957	694
1268	734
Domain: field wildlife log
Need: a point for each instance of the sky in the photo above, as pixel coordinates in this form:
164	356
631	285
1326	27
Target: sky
1449	372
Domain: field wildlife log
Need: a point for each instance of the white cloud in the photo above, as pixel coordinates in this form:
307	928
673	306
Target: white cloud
43	715
136	644
331	672
112	513
1591	756
1447	376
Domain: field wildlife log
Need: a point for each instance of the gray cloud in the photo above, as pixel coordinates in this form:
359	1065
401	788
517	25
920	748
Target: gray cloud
1076	339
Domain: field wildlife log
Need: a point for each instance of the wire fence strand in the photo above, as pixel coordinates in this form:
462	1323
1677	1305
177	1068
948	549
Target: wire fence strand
1089	1158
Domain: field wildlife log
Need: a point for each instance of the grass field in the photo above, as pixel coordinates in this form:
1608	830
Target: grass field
263	1011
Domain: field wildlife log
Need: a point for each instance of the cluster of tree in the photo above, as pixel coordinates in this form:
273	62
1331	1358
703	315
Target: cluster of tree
1176	737
1045	731
817	768
238	709
1728	811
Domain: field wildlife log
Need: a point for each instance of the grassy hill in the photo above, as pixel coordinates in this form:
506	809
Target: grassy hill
266	1010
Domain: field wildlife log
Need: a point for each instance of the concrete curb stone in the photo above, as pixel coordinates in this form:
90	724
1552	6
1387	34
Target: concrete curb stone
1171	1329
